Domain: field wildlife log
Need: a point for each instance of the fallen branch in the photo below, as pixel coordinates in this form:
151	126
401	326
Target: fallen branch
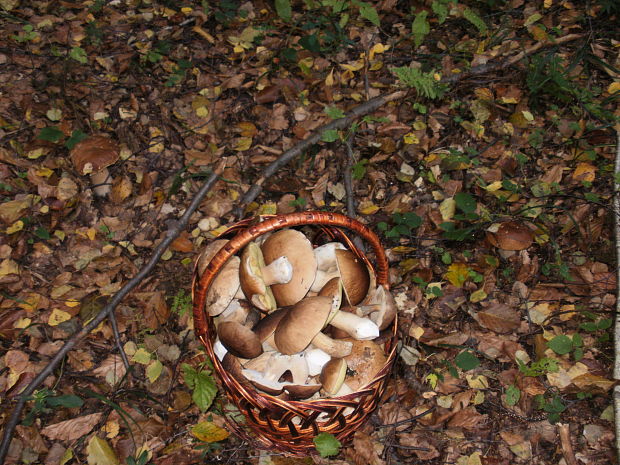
616	212
567	447
174	229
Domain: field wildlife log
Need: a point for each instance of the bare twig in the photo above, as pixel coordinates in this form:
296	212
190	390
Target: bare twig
495	65
119	344
174	229
567	447
348	179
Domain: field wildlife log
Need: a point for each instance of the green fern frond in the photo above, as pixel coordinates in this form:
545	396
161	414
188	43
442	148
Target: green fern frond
425	83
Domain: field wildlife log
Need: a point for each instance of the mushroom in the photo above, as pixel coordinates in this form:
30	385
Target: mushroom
316	360
92	156
326	264
293	245
239	340
382	307
333	375
265	327
352	271
226	286
256	277
232	365
237	310
366	359
510	236
304	321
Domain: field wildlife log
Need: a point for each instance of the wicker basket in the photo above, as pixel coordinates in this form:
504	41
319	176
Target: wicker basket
266	421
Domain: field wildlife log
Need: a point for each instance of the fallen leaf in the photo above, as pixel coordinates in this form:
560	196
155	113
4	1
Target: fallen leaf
207	431
72	429
499	318
100	453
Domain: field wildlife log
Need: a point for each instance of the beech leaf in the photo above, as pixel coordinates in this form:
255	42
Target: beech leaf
100	452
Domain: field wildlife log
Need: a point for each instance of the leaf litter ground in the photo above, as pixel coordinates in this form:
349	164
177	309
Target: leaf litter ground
492	197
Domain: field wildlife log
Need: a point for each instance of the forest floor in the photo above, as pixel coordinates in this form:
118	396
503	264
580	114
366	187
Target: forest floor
490	183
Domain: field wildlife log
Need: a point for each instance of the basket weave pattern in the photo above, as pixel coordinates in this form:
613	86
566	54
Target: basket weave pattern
284	425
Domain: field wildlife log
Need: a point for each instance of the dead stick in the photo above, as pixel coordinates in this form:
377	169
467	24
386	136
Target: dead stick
616	210
174	229
488	67
298	149
567	447
348	178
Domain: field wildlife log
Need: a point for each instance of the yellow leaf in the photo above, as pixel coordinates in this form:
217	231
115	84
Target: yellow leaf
478	296
142	356
547	3
403	249
247	129
411	138
584	172
15	227
8	266
457	274
111	429
154	370
22	323
30	302
416	331
367	208
100	453
269	208
58	316
447	209
242	144
613	87
208	431
329	80
477	381
494	186
354	66
538	33
68	455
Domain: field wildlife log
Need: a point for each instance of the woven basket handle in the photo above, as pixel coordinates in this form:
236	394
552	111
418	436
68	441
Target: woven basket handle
278	222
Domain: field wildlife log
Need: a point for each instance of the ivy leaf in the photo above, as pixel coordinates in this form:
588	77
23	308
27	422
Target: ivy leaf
326	445
283	8
561	344
466	361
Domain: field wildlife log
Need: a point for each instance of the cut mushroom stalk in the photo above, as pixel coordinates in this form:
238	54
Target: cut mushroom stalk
316	360
359	328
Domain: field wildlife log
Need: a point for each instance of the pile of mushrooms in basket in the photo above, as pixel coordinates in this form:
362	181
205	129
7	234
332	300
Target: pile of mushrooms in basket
296	321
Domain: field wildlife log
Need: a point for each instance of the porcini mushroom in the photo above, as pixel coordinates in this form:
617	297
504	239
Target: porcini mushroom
293	245
305	320
256	277
382	307
333	375
510	235
239	340
226	286
366	359
92	156
265	327
352	271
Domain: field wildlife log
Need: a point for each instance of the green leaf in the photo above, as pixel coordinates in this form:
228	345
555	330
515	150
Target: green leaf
561	344
577	340
331	135
513	394
42	233
412	220
420	27
205	390
334	112
50	134
68	401
283	8
76	136
466	361
465	202
473	18
310	43
578	354
440	10
326	445
367	11
142	356
78	54
153	370
605	323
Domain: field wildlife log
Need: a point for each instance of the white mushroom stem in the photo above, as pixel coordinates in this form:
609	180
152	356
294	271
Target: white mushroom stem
344	390
239	294
100	182
334	348
279	271
322	277
274	365
234	312
326	255
316	360
358	328
219	349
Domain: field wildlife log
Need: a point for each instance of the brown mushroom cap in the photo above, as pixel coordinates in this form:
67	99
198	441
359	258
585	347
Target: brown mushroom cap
333	375
265	327
302	391
232	365
386	313
510	235
354	274
94	154
239	340
297	249
301	324
366	359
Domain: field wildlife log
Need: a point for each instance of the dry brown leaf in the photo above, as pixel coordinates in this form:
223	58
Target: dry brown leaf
121	189
17	361
468	418
394	412
111	368
70	430
426	451
499	318
367	449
